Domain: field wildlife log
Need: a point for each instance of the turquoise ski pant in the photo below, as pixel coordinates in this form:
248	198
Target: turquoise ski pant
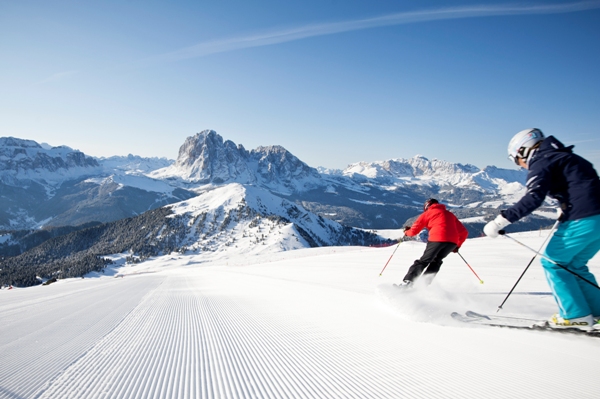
573	244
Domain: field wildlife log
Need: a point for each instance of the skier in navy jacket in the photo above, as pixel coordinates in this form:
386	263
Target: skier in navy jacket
554	170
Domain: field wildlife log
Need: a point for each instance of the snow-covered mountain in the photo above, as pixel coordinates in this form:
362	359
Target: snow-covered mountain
206	159
434	173
217	196
57	185
233	218
24	160
384	194
132	164
247	214
417	168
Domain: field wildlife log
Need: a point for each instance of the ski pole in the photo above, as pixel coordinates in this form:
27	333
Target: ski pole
386	263
480	280
529	264
502	232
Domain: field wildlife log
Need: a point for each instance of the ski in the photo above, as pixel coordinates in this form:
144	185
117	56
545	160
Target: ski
499	318
516	323
485	320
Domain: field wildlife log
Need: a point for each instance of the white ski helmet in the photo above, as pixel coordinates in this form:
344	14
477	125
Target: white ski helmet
521	144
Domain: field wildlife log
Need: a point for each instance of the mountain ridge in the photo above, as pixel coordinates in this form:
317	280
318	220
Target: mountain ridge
380	194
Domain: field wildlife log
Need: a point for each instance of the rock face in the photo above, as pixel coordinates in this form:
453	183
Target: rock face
26	159
206	159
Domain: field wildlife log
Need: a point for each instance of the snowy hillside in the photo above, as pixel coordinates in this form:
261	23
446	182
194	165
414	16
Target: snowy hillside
310	323
133	164
231	219
245	219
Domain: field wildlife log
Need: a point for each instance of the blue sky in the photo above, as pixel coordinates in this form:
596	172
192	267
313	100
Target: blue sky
334	82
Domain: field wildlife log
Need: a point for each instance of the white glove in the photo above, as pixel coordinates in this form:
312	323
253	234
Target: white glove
492	228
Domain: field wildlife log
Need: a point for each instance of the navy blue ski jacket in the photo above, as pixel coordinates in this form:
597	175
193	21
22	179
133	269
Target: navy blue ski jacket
554	170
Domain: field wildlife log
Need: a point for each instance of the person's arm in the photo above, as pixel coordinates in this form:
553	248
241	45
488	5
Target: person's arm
538	185
417	226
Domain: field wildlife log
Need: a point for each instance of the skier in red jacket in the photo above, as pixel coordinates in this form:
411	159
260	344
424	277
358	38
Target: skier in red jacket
446	234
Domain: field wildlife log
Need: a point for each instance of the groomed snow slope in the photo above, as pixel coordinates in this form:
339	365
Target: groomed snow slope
311	323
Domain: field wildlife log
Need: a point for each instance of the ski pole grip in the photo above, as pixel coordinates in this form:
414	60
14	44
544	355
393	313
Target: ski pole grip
501	232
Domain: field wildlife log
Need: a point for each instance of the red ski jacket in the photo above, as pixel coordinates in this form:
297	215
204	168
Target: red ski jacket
443	226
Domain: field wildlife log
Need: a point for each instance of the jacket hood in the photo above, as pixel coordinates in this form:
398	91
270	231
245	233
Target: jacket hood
550	146
436	206
550	143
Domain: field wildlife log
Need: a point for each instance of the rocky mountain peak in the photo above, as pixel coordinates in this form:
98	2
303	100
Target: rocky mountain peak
206	158
196	147
417	167
15	143
27	158
275	163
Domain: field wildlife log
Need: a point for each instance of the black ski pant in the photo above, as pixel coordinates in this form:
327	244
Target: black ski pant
431	261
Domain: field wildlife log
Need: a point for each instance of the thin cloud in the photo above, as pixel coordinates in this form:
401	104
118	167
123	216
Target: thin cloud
313	30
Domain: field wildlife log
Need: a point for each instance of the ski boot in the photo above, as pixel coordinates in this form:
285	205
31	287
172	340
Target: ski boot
585	323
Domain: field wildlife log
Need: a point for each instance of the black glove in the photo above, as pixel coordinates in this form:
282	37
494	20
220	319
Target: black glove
455	250
406	228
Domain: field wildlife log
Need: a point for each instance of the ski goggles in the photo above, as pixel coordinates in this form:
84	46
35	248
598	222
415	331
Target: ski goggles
515	159
522	153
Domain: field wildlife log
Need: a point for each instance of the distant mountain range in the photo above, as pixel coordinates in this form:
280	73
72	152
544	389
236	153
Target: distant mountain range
59	186
49	193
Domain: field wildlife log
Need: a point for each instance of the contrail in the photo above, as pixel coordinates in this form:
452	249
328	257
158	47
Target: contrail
302	32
